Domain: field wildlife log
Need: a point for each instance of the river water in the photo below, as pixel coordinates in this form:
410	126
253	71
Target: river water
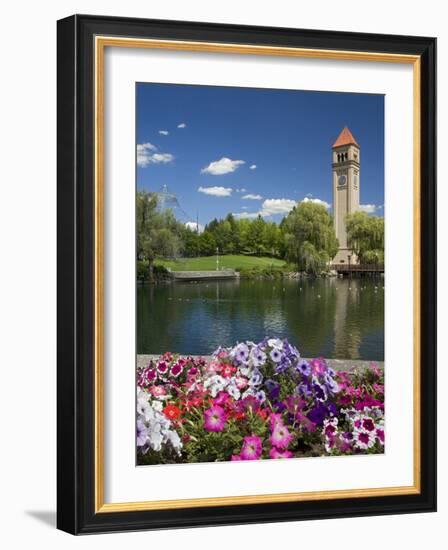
334	318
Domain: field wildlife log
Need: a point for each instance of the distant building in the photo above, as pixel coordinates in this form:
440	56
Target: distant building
346	172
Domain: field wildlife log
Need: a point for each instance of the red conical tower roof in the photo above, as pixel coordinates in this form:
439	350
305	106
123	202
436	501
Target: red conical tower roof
345	138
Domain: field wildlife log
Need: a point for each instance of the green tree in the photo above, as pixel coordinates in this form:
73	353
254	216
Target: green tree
310	240
159	234
255	236
272	237
207	244
365	235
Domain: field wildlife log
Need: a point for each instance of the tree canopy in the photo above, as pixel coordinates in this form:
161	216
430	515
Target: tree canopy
365	235
310	240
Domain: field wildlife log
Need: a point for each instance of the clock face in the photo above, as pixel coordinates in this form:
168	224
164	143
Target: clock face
342	180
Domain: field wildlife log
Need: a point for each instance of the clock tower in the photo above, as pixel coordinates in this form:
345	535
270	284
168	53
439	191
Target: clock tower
346	168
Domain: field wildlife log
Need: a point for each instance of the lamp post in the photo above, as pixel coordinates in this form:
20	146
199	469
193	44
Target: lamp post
349	266
217	259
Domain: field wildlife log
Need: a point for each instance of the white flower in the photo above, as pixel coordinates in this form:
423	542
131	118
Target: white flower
233	391
157	406
246	371
275	343
173	438
155	438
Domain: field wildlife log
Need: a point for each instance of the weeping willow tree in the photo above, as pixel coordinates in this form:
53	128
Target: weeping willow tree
159	234
310	240
365	235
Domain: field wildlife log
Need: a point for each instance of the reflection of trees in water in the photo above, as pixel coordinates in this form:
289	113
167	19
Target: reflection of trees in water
309	307
359	312
322	317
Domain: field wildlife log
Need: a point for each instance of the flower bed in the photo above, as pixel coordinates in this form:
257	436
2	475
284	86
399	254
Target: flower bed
255	401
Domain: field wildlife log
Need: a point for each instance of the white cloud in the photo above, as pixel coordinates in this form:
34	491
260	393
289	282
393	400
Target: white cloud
242	190
368	208
252	197
317	201
277	206
216	191
146	155
222	166
195	226
249	215
157	158
182	125
163	132
270	207
253	167
244	207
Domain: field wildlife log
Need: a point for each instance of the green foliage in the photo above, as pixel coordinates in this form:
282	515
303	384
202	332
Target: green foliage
365	235
310	241
159	234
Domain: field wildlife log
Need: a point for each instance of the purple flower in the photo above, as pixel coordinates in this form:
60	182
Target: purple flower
252	448
273	388
241	352
276	355
257	356
303	367
215	419
261	396
318	413
256	378
142	433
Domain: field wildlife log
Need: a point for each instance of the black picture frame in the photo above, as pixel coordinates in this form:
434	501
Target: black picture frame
76	270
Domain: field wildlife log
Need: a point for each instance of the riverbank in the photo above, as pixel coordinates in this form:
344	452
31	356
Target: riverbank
336	364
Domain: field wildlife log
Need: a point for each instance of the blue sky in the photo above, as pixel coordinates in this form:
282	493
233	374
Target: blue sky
250	151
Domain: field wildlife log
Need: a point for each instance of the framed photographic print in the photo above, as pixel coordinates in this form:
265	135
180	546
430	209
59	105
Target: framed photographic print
246	274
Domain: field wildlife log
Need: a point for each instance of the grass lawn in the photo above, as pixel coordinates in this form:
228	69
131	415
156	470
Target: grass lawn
208	263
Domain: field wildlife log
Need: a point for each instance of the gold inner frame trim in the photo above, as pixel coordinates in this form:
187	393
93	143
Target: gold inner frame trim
101	42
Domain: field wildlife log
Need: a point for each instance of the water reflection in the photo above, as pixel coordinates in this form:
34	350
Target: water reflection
337	318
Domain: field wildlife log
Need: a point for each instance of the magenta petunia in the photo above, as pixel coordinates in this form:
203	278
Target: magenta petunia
215	419
252	448
277	453
274	419
176	369
280	436
162	367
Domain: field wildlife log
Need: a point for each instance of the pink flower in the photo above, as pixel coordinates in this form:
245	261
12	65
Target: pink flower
213	367
215	419
157	391
274	419
241	382
280	436
318	367
227	371
380	434
162	367
176	369
277	453
221	398
193	371
252	448
368	424
235	458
